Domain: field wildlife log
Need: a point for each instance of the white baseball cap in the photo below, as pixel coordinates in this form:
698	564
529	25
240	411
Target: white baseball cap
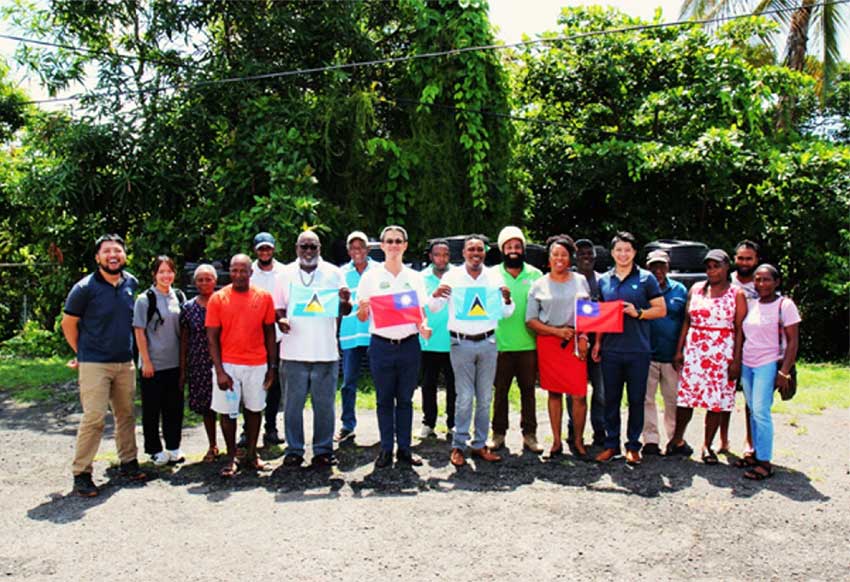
357	234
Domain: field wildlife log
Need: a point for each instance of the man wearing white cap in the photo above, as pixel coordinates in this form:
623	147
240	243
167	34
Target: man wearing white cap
516	344
353	333
264	274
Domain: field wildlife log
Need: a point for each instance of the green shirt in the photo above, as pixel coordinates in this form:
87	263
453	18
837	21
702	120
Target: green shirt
439	340
511	334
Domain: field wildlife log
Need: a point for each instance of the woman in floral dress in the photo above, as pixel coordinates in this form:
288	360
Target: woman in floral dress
709	353
195	363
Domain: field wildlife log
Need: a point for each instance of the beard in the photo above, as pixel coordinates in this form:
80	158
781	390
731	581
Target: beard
265	263
514	260
309	262
745	272
110	271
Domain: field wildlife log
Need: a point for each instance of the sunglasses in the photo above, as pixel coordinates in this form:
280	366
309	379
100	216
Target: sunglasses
394	241
308	247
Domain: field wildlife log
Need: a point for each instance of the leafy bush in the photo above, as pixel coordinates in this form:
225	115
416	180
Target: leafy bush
33	341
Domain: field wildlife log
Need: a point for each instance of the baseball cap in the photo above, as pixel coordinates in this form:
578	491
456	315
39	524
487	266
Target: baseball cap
718	255
657	256
263	239
355	235
584	242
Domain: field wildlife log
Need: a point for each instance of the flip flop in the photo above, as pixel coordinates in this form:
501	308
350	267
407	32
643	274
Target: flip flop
211	456
709	457
759	473
229	469
748	460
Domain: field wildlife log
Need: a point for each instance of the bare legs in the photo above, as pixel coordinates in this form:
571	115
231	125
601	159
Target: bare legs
556	414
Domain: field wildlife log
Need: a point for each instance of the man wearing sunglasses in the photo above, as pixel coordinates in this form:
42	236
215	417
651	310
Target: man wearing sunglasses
308	349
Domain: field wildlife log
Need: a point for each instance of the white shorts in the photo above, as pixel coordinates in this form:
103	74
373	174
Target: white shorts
247	387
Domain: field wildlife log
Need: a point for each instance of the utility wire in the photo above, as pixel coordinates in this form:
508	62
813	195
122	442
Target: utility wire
435	54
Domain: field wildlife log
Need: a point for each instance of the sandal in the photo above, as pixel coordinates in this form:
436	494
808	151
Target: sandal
211	456
257	464
748	460
759	473
579	450
230	468
709	457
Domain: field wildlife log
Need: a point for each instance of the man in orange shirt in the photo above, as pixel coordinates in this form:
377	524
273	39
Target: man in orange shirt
240	329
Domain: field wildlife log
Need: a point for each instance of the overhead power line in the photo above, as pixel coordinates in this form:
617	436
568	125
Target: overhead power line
435	54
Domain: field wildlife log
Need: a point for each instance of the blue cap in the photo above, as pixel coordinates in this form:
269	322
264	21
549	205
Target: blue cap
263	239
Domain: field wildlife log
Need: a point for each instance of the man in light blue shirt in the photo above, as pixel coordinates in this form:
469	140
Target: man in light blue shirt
353	333
436	350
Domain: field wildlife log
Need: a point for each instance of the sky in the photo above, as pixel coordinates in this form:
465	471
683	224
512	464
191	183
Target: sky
512	19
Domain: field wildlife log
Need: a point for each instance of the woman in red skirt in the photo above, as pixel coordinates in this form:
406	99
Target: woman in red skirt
551	315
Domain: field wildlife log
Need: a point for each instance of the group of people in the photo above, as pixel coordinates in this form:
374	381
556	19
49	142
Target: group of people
276	334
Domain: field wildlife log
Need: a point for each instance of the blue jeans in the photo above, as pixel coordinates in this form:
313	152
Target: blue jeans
758	390
474	365
395	371
631	369
597	404
319	380
351	360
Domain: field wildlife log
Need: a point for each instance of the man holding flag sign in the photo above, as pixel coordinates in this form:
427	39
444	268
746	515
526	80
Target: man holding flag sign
393	294
624	356
477	299
309	297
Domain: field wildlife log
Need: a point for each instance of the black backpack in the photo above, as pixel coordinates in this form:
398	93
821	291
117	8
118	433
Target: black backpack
154	310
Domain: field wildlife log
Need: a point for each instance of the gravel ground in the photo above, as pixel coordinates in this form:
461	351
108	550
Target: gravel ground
524	518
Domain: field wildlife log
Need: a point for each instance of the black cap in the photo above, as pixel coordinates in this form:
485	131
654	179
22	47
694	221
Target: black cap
584	242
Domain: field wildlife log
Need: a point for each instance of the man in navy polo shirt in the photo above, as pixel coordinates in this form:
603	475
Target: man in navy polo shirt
625	356
98	325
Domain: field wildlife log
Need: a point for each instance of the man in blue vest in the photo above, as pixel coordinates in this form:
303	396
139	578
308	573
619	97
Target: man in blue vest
353	333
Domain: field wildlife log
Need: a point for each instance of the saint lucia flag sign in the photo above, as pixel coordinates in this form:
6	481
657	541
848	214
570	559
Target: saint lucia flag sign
311	302
477	303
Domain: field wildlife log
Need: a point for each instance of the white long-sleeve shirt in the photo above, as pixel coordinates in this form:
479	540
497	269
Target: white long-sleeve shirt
459	278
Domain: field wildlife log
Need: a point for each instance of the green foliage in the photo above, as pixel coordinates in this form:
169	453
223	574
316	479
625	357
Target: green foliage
671	134
33	341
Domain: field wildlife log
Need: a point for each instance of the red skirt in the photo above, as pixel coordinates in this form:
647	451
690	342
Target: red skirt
560	369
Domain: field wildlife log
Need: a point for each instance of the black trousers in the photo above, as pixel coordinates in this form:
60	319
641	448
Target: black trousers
162	398
272	404
432	364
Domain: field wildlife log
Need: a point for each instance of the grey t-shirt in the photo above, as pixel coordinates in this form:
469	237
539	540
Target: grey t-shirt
554	303
163	336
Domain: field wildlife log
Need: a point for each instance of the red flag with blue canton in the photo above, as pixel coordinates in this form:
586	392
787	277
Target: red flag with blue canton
599	316
395	309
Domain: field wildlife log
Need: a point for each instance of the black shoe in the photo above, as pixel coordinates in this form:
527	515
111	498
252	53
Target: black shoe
84	486
242	443
324	460
271	438
651	449
293	460
344	434
385	459
407	458
131	471
684	450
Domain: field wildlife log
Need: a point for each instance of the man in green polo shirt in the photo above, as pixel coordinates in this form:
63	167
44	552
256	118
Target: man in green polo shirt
517	346
435	350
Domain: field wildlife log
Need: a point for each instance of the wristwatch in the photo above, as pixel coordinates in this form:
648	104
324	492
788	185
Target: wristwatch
639	312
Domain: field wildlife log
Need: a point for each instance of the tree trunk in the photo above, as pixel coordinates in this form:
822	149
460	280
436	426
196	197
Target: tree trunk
795	59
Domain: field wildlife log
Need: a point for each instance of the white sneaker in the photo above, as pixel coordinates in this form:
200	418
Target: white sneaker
427	431
175	456
159	459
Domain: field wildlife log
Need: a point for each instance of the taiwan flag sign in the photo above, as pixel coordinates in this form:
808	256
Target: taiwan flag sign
395	309
605	316
477	303
310	302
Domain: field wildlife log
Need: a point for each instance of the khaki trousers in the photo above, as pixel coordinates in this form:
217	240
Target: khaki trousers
102	386
664	374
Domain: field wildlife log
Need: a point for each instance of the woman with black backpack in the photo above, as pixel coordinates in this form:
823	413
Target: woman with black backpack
156	322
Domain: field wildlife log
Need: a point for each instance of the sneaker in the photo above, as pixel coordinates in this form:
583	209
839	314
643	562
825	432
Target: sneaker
324	460
344	434
271	438
175	456
131	471
427	431
160	459
498	441
529	442
651	449
292	460
84	486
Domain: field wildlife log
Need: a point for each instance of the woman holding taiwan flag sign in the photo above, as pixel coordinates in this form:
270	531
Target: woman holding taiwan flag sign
550	313
393	295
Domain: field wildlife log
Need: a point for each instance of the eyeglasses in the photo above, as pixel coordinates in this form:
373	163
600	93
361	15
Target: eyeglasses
308	247
394	241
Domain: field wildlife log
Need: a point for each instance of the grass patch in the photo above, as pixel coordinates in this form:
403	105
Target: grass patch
34	379
819	386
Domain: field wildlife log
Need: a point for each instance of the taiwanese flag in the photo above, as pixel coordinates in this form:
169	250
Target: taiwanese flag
604	316
395	309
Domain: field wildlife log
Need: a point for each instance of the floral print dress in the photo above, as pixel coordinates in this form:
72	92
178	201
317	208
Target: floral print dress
704	381
198	362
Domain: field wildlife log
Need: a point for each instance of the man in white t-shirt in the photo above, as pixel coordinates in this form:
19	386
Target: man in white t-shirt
264	274
308	350
473	350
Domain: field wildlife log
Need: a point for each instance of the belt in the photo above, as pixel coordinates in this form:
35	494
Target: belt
472	337
394	341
